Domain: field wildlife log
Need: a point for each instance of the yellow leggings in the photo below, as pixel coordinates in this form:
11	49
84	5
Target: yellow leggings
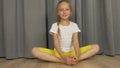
71	53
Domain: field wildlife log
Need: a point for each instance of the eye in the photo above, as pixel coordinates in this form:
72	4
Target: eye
61	9
67	9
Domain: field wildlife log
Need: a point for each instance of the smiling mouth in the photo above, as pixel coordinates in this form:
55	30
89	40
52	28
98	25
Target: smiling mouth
65	15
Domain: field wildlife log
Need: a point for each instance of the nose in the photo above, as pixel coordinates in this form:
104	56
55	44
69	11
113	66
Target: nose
64	11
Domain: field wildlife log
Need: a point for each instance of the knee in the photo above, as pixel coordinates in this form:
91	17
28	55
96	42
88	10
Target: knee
34	50
96	47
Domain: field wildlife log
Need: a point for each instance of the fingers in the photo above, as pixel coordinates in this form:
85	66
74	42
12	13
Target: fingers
74	60
71	60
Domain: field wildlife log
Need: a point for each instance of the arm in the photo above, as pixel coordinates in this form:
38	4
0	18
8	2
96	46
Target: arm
76	44
57	45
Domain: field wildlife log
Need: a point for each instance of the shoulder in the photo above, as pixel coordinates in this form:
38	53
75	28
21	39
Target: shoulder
75	27
53	28
54	24
73	23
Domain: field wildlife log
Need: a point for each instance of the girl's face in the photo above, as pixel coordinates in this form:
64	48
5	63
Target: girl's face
64	11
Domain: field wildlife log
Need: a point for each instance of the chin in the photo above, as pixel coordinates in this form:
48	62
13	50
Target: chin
65	18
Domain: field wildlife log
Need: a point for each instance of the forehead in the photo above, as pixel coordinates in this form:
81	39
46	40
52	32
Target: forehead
64	5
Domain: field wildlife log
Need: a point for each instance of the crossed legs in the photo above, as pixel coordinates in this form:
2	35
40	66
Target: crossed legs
46	57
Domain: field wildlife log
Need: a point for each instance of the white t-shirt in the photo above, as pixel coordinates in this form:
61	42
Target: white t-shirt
66	33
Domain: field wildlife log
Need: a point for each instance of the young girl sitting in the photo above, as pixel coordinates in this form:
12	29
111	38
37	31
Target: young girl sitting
65	36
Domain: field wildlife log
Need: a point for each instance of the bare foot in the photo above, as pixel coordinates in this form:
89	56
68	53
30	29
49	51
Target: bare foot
74	60
67	62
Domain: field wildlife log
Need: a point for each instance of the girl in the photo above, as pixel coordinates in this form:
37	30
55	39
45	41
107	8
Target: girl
65	37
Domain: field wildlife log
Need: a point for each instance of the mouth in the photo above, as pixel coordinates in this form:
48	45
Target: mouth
64	15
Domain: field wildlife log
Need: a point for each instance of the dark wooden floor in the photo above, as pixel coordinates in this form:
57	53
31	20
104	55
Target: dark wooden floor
98	61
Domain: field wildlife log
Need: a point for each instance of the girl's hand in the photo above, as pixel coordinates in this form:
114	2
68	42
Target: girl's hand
74	60
70	60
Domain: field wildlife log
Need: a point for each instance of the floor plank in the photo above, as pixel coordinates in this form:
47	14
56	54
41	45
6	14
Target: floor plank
98	61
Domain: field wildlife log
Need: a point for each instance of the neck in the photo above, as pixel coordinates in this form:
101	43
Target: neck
64	22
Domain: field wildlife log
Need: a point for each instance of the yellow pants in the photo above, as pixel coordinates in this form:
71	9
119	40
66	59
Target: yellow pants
71	53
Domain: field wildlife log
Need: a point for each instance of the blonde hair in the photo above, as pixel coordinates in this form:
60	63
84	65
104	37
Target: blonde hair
66	1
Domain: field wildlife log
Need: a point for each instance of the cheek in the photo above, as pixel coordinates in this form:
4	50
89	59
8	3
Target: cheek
70	12
59	13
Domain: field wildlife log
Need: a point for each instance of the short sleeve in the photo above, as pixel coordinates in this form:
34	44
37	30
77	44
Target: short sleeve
76	28
53	28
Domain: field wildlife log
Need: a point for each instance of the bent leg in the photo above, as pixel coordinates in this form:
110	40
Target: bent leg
44	56
93	51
